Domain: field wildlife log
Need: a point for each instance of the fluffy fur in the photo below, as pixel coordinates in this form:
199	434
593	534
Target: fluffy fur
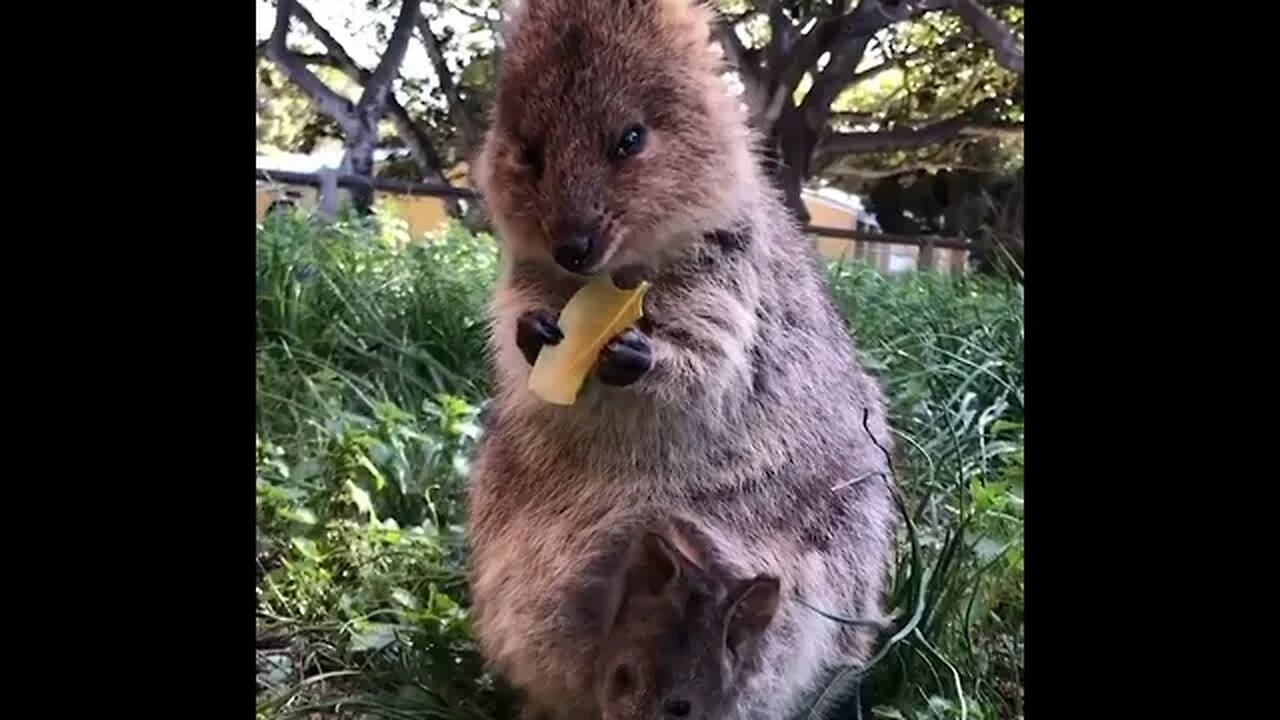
751	419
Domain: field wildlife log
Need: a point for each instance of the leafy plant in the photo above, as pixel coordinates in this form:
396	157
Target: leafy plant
950	353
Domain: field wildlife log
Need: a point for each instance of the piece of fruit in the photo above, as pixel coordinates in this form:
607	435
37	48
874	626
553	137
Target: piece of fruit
592	317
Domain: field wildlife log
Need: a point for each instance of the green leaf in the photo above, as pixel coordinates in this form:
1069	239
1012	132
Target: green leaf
362	500
307	547
374	637
379	480
305	470
987	548
405	598
302	515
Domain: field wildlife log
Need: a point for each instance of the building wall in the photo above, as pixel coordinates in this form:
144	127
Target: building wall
828	215
423	214
304	196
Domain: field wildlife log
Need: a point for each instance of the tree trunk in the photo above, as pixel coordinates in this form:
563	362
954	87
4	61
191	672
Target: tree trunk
925	259
791	183
359	122
424	153
793	144
327	205
359	159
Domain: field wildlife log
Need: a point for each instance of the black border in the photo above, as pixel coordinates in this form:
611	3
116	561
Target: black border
1110	438
147	399
161	256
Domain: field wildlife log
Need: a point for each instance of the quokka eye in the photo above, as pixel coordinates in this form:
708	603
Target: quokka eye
677	708
622	681
531	156
631	142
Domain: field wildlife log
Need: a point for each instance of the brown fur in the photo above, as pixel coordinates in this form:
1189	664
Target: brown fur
751	418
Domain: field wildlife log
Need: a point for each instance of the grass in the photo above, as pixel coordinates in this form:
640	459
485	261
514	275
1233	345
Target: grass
371	374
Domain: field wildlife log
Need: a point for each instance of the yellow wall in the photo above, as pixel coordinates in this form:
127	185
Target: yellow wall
264	202
821	213
269	194
424	214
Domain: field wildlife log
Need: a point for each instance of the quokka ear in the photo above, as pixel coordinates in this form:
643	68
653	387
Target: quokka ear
692	542
655	567
647	567
752	605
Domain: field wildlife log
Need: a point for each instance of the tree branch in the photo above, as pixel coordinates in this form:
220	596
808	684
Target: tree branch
474	13
739	57
856	118
326	100
782	36
999	37
419	144
836	34
458	110
743	60
840	70
841	36
900	60
836	144
305	58
866	173
330	43
379	85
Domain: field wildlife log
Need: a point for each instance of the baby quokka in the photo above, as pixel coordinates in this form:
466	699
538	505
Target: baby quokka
680	639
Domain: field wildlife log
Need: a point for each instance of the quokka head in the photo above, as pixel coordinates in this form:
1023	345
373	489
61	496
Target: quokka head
681	633
613	136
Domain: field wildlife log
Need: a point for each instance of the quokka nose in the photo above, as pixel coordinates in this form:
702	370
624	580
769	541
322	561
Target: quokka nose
574	250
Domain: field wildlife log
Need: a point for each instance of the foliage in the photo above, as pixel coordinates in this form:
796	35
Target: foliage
370	366
371	373
286	120
984	206
950	354
935	69
358	304
466	32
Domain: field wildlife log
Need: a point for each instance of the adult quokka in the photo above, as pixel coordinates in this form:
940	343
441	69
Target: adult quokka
738	399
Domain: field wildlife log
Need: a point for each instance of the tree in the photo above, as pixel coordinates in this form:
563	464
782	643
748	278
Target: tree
358	120
438	118
287	119
802	62
982	205
848	92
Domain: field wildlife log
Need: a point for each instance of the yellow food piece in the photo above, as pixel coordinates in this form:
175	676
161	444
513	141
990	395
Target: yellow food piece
592	317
